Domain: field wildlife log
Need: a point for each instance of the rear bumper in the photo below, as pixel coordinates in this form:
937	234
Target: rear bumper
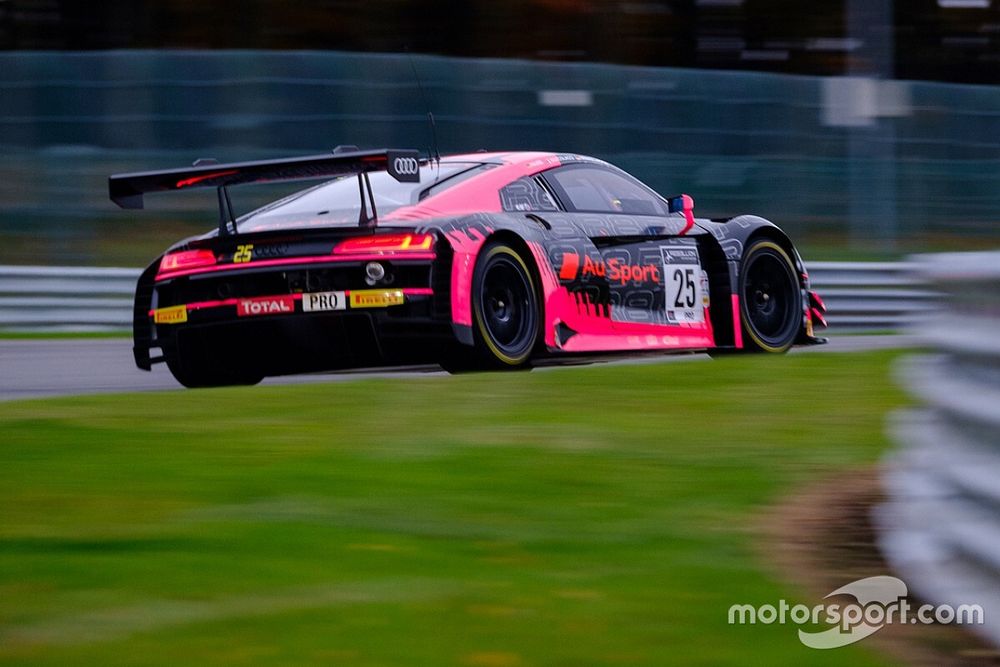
300	342
260	319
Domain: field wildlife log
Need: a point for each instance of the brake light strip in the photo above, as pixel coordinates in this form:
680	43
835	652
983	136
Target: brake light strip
313	259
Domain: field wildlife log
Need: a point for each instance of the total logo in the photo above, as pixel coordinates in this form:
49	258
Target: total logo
614	270
275	305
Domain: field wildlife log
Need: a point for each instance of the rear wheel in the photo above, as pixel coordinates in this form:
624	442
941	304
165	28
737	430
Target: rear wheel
770	298
505	313
195	365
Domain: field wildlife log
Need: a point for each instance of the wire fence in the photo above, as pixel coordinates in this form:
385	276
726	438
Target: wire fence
827	159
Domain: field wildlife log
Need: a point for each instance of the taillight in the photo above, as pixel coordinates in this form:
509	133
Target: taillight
185	259
385	243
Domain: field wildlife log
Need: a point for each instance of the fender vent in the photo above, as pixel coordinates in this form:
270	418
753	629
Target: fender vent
441	281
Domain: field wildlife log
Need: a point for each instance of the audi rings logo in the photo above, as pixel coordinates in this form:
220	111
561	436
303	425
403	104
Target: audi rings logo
404	166
407	166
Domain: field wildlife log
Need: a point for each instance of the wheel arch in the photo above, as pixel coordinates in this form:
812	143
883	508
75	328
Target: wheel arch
511	238
467	236
735	235
774	233
516	241
749	228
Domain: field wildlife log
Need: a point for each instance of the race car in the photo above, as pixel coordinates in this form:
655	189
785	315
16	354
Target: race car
488	260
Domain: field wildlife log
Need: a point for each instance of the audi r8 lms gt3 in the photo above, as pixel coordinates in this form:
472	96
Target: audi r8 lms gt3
477	261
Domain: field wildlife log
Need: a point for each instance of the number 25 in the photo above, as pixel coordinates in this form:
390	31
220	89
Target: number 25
243	254
685	288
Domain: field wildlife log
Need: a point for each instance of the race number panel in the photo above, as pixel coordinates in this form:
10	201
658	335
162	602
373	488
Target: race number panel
683	285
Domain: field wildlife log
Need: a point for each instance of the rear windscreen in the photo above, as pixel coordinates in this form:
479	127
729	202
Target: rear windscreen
339	201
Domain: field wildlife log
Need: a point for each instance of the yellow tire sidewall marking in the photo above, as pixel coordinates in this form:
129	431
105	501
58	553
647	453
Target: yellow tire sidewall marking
476	306
743	306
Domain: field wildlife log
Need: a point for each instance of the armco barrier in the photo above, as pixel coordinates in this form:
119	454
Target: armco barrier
43	298
870	296
940	527
862	296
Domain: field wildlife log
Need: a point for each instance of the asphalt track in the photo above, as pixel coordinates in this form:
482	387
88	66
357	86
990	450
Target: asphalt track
67	367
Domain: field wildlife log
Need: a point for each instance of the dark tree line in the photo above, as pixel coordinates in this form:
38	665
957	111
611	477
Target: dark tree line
793	36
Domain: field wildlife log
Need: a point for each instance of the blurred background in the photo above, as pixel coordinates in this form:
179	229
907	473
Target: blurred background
866	128
584	516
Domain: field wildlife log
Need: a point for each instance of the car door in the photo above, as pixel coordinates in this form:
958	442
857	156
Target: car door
651	272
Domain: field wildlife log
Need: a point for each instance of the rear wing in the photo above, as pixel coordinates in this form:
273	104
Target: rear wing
127	190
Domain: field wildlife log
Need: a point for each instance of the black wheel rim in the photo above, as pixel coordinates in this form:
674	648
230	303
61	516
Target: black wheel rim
769	293
507	303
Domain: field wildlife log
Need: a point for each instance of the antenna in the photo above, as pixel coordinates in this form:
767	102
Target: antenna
430	116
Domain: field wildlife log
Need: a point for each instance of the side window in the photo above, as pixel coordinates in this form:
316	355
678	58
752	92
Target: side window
526	194
594	189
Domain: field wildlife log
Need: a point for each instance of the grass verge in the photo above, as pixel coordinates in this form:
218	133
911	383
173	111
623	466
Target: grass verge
581	516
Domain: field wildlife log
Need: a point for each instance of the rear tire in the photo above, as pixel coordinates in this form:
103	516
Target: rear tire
770	299
506	319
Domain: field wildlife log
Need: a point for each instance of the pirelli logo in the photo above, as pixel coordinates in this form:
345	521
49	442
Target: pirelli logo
375	298
172	315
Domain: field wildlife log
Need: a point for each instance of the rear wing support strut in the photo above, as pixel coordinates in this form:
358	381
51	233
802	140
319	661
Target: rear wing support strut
365	220
226	216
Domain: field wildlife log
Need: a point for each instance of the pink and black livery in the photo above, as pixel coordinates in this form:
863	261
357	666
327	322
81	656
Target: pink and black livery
475	261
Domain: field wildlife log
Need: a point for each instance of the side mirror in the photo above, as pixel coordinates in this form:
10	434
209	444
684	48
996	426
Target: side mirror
683	204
